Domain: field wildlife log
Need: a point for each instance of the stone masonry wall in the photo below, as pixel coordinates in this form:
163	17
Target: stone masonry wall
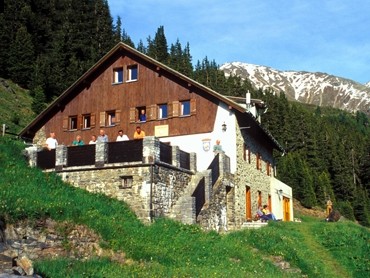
247	175
111	182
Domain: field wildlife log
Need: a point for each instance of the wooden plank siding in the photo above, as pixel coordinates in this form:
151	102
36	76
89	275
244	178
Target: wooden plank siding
153	86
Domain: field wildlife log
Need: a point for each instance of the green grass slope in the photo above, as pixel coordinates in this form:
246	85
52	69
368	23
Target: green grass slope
166	248
15	106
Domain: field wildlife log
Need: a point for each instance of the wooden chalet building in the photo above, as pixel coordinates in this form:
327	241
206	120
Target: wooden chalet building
179	112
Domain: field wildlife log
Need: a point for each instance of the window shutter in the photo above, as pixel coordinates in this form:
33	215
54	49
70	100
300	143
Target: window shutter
193	106
118	116
170	110
102	119
154	111
176	108
92	120
151	112
79	122
132	114
65	123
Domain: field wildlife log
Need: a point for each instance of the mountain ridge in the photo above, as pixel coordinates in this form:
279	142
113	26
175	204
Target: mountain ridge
315	88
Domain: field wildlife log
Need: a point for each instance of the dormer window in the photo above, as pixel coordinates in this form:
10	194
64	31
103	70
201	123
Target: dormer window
118	75
132	73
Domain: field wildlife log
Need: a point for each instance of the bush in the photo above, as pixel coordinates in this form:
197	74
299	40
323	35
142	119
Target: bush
346	209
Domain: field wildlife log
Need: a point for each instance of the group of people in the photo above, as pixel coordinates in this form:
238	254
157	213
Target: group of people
52	142
265	214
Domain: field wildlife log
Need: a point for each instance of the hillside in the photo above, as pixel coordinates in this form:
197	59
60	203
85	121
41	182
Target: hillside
311	248
15	106
315	88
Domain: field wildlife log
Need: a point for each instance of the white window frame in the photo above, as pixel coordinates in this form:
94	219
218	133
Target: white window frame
183	105
86	121
111	118
72	122
117	75
160	111
130	70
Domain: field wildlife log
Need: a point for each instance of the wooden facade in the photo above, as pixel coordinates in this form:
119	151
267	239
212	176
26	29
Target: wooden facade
86	106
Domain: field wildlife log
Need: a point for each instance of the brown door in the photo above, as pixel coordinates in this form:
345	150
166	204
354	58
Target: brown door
248	203
269	203
286	209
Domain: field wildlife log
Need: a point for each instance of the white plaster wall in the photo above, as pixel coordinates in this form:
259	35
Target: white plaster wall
277	200
194	142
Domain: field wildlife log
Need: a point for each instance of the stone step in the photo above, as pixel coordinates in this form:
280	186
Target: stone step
254	225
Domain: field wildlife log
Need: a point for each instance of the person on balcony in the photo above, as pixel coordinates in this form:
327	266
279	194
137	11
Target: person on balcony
78	141
139	134
217	148
102	136
93	140
51	143
121	136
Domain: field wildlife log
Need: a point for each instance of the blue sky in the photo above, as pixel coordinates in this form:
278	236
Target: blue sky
331	36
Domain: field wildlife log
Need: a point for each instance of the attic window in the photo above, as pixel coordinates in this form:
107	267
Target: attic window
132	73
118	75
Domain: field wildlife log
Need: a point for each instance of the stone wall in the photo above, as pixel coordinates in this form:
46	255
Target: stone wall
247	175
149	190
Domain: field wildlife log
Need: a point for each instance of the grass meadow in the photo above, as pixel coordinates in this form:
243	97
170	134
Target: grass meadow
313	248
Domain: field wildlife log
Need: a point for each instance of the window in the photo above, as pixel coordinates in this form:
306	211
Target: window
141	113
259	162
247	154
86	121
108	118
268	168
126	182
118	75
132	73
259	198
185	108
162	111
111	118
72	123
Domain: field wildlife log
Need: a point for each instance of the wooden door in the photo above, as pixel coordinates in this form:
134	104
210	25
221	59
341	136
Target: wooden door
248	203
286	209
269	203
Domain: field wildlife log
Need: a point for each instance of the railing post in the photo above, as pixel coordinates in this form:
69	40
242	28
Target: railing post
31	153
224	164
101	154
193	162
60	157
151	149
176	156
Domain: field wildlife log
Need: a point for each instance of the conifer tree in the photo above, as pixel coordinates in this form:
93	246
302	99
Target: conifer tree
158	48
21	57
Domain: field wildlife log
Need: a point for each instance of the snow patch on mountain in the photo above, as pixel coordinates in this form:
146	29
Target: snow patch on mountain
309	87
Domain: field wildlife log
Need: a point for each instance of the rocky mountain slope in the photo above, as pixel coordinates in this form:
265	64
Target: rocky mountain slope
308	87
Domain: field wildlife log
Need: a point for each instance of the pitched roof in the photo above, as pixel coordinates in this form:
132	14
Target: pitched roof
43	117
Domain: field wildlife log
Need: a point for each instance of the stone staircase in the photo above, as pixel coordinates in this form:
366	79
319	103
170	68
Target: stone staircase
184	209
